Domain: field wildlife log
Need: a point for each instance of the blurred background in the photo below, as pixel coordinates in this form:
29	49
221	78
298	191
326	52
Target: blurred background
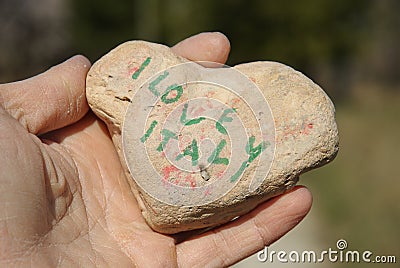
350	48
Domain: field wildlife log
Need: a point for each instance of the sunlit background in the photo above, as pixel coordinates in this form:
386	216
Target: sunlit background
350	48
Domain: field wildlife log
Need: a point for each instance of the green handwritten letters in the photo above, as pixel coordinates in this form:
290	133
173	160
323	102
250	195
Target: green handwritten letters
171	95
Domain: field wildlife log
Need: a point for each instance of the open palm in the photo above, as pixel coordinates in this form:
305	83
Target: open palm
65	201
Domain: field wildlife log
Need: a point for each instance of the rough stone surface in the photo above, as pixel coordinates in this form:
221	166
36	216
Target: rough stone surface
306	135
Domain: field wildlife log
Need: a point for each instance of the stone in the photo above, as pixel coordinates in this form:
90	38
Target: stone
202	146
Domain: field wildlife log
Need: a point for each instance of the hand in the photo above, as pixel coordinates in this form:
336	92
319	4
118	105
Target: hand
66	202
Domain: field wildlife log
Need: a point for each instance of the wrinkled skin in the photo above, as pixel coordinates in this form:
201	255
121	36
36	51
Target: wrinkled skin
64	200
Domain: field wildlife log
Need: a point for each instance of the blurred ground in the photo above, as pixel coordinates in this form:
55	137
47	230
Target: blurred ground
356	197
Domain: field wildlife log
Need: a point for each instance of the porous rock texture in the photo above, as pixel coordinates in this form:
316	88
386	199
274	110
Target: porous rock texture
306	134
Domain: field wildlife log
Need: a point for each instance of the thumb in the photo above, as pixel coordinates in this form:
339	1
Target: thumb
212	47
51	100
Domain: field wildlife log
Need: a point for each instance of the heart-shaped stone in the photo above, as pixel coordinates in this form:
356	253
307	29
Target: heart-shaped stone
201	146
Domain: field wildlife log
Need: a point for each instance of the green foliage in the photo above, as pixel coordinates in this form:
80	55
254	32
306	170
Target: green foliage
97	26
324	39
296	32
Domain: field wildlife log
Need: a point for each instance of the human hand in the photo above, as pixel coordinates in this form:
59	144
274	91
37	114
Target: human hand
65	200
